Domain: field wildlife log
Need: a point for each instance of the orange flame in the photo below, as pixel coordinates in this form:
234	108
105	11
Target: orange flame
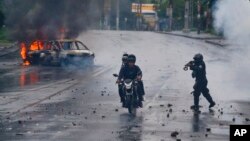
24	54
36	45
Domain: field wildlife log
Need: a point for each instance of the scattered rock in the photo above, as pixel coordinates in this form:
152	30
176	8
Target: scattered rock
208	129
74	124
221	113
86	117
174	134
231	106
183	111
206	135
241	114
178	139
19	134
149	107
161	105
233	119
103	116
170	105
167	115
170	110
102	94
162	124
160	96
20	122
116	110
94	112
247	119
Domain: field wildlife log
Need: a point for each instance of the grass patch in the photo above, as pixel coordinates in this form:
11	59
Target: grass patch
3	38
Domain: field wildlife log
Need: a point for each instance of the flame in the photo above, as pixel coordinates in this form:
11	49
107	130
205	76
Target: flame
24	54
36	45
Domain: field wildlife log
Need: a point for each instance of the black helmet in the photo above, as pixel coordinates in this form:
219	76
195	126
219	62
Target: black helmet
131	58
124	57
198	57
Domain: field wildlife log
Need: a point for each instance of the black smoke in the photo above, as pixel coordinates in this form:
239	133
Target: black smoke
48	19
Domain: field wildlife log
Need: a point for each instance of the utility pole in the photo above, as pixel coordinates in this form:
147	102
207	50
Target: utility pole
138	15
191	13
199	17
107	9
170	14
117	14
186	17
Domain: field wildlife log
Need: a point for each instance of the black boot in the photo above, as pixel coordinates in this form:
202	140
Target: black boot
212	104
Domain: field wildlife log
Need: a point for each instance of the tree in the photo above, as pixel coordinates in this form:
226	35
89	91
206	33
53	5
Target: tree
1	14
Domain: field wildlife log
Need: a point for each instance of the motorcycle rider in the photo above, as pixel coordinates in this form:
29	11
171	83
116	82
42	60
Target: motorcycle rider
132	71
199	73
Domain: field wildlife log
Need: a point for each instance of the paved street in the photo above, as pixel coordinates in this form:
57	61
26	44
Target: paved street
72	103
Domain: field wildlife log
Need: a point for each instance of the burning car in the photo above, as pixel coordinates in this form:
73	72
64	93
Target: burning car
57	52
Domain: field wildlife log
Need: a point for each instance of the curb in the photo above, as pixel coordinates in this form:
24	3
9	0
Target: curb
197	38
216	43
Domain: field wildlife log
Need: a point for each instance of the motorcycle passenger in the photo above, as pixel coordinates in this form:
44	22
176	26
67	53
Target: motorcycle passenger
199	73
132	71
124	63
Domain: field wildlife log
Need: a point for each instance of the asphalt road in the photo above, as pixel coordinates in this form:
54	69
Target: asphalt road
72	103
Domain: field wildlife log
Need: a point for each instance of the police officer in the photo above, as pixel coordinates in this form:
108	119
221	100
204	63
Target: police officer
199	73
132	71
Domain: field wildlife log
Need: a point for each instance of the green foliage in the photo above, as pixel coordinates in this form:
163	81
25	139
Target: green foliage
3	35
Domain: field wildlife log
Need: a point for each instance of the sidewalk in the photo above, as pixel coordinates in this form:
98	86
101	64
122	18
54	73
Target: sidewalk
209	38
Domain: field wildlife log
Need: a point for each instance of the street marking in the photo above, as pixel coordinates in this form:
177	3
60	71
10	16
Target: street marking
54	94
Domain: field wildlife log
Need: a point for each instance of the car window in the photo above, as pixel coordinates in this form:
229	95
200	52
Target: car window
69	46
81	46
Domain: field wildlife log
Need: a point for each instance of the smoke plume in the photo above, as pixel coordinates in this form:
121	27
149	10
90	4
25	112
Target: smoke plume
232	17
49	19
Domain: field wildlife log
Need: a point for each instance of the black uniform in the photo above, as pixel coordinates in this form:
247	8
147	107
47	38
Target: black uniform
127	72
200	86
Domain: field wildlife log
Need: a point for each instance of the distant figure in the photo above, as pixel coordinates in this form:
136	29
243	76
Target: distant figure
199	73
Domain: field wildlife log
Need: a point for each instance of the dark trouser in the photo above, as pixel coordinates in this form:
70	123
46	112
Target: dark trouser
201	87
140	90
120	90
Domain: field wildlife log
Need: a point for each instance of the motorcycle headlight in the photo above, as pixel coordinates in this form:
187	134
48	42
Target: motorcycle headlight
128	85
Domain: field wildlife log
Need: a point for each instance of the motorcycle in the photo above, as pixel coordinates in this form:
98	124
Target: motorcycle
129	88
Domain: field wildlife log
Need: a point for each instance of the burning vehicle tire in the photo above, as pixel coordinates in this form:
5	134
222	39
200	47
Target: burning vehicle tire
57	52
